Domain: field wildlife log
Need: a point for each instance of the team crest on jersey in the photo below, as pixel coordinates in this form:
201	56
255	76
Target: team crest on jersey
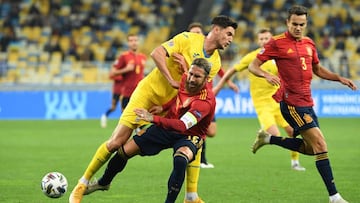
196	55
197	114
262	51
171	43
307	118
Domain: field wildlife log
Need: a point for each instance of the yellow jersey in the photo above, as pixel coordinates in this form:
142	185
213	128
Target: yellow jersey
154	89
260	90
190	46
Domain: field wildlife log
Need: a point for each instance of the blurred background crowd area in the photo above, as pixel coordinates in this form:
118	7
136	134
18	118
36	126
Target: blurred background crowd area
76	41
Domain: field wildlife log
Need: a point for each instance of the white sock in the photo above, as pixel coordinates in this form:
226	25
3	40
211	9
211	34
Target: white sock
267	139
295	162
84	181
335	197
191	196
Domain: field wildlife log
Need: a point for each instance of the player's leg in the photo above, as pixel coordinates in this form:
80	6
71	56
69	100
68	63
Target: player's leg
211	133
184	153
115	165
314	137
295	163
114	102
120	135
294	144
192	179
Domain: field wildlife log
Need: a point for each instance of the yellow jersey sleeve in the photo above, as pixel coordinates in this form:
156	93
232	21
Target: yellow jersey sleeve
190	46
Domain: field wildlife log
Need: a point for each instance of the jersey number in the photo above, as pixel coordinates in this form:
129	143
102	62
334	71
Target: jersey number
303	63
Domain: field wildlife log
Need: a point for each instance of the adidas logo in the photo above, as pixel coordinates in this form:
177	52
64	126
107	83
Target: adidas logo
289	51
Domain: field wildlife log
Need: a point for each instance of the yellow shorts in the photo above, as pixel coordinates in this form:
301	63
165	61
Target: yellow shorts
269	115
143	97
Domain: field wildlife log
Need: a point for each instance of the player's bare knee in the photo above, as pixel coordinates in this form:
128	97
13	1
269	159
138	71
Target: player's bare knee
178	154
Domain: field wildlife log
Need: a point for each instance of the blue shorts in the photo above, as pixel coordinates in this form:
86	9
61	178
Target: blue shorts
156	139
299	118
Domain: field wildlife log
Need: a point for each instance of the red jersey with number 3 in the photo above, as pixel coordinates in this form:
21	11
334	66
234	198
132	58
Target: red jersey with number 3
126	83
294	59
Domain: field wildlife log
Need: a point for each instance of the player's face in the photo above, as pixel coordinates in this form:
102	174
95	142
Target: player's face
296	25
133	42
196	30
264	38
225	37
195	80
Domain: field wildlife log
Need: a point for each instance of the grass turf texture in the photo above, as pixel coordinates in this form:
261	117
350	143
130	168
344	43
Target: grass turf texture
30	149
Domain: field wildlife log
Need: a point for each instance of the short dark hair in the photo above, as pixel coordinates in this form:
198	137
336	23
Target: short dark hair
195	24
297	10
202	63
224	22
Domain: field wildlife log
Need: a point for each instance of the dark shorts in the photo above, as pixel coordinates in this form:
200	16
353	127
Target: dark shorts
299	118
116	98
156	139
124	102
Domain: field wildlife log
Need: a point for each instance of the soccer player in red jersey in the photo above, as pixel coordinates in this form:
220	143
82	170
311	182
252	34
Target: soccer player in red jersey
126	72
183	128
297	60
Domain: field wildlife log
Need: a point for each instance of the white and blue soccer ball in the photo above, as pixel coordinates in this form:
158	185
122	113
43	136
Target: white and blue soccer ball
54	185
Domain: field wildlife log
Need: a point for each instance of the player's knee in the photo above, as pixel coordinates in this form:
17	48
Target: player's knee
122	153
180	159
211	132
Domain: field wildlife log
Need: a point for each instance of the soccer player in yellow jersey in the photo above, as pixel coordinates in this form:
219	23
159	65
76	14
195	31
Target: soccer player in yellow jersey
267	109
159	87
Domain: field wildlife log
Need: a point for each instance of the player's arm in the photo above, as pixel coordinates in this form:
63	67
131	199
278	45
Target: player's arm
159	55
324	73
228	74
130	66
198	110
254	68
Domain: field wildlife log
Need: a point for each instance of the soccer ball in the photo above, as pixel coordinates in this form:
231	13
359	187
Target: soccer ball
54	184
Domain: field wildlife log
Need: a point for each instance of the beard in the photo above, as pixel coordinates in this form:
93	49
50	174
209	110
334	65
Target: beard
193	88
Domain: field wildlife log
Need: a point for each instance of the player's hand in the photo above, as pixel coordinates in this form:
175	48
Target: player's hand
348	83
272	79
181	61
174	84
156	110
233	86
143	114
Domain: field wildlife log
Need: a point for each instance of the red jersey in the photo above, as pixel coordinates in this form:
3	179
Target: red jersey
201	106
126	83
294	59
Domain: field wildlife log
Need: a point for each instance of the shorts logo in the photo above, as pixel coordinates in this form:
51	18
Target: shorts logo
307	118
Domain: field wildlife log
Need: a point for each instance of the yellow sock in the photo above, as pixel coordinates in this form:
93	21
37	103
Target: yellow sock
192	173
294	155
101	156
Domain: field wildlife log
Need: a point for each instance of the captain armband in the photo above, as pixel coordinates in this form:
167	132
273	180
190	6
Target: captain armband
189	120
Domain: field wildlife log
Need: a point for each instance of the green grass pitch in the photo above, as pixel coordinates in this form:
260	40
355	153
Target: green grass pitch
30	149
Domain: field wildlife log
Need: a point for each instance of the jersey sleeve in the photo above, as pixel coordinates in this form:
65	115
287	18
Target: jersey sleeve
245	62
177	43
199	109
269	51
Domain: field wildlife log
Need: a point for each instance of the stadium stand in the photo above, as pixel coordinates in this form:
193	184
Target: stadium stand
54	41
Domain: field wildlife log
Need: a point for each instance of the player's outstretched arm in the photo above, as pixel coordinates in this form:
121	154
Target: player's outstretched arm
326	74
